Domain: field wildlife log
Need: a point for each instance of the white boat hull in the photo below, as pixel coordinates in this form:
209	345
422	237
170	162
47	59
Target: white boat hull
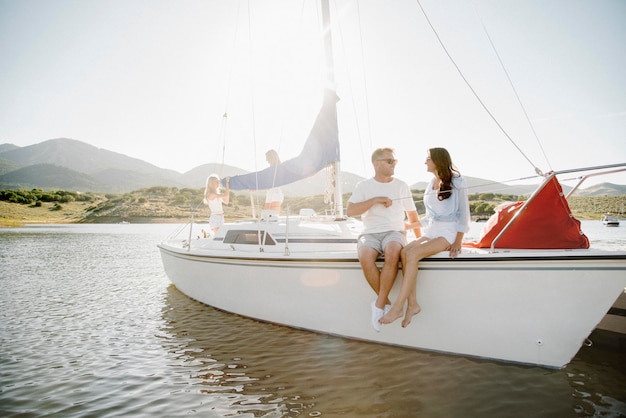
533	307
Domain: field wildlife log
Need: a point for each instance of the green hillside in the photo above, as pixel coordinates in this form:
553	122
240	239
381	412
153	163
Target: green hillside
171	204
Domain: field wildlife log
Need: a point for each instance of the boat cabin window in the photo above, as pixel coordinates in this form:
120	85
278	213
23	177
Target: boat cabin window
248	237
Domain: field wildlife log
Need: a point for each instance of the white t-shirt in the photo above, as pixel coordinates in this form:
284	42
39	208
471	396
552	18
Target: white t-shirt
274	195
379	218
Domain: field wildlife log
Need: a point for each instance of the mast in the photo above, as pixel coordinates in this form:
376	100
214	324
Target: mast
330	79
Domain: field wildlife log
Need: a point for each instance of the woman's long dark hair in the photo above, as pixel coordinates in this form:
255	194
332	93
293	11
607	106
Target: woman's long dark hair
445	170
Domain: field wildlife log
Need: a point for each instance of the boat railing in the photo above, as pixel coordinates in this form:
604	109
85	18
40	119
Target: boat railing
583	178
616	168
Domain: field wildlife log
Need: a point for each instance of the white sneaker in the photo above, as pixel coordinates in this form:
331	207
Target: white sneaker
377	313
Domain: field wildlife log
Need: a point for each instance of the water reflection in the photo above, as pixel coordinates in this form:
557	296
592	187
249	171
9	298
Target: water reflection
244	366
91	326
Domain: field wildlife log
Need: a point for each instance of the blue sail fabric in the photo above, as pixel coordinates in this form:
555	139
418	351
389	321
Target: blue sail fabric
320	149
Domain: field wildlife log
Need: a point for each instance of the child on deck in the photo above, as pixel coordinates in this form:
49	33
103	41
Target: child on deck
213	197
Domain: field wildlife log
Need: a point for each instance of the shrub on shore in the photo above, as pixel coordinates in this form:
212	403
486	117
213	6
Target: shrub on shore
27	197
165	204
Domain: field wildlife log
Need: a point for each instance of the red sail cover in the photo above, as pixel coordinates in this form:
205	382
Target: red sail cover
546	223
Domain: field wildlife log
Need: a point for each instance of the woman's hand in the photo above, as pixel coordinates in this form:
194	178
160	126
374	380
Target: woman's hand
455	248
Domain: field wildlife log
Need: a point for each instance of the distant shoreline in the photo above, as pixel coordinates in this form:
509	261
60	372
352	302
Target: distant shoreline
150	208
109	220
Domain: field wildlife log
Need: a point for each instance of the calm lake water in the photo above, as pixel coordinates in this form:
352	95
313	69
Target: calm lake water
90	326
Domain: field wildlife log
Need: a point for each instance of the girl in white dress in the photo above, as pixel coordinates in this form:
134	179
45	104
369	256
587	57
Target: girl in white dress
213	197
446	222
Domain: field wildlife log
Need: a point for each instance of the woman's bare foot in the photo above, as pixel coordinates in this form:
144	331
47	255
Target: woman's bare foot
410	312
392	315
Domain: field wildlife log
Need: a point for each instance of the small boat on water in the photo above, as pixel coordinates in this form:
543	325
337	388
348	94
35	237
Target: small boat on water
610	220
530	290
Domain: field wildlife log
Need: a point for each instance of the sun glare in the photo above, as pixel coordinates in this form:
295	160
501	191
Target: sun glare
276	80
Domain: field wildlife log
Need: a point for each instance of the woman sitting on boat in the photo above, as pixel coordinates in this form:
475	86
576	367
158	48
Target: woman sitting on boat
213	197
446	222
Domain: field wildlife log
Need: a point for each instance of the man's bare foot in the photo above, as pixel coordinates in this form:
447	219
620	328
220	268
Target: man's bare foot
391	316
410	312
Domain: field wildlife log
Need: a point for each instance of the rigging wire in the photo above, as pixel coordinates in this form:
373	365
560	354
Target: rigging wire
367	103
252	95
222	137
223	128
537	170
519	100
285	93
224	121
350	86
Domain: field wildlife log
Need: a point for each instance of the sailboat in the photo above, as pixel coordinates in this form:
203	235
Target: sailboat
610	220
530	290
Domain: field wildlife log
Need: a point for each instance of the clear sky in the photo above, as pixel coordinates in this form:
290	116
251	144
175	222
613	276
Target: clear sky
152	78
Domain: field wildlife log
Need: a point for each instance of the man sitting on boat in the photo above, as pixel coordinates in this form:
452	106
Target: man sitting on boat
382	202
273	197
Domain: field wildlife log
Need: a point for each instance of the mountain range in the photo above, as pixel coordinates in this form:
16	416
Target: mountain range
68	164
